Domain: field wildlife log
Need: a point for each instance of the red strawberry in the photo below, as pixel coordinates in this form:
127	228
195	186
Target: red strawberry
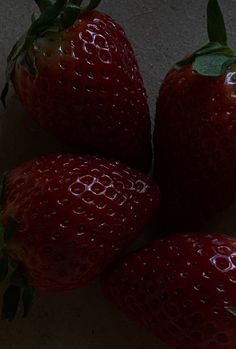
80	81
74	215
195	135
182	288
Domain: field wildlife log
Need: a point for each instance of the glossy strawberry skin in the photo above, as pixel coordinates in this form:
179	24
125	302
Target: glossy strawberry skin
195	146
75	215
88	91
178	288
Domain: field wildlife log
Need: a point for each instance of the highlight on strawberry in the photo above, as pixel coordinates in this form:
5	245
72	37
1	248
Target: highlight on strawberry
76	74
181	288
64	219
195	134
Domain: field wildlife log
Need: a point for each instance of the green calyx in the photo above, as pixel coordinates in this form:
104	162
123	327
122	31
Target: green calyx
55	17
231	310
214	58
18	289
43	4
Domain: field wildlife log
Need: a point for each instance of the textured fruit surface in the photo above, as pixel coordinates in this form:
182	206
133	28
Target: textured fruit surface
75	215
88	91
179	288
195	145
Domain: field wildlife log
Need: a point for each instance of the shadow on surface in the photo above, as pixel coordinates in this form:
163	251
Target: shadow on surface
20	138
81	319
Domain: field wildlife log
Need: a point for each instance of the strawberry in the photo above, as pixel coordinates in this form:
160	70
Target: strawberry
76	74
182	288
195	135
71	215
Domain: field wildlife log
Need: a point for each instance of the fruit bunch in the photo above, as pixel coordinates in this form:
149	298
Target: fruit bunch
67	218
182	287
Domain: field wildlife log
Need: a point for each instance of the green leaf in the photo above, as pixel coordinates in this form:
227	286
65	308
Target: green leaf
74	9
43	4
33	17
70	14
11	299
10	229
28	300
213	58
4	94
29	64
232	310
214	47
3	267
46	18
91	6
210	48
215	23
212	65
16	51
14	54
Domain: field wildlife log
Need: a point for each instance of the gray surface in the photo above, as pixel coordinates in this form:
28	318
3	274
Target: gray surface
162	31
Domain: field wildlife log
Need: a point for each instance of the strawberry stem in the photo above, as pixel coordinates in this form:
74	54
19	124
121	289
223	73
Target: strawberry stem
43	4
215	23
